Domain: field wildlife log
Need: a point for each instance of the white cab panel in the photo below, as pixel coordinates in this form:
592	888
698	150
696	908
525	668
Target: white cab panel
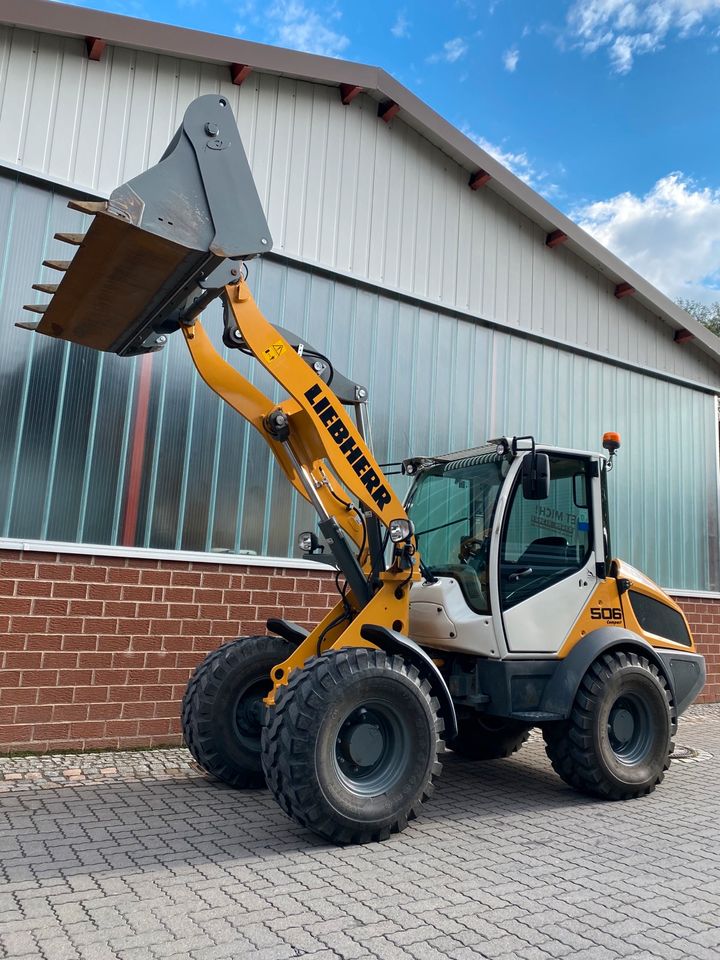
440	617
541	623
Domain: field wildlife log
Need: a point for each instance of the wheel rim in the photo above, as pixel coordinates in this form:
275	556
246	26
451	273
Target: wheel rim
370	748
248	713
629	729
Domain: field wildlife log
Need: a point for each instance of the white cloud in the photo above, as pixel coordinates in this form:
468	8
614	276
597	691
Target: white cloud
628	28
294	24
671	235
401	27
510	59
517	162
451	51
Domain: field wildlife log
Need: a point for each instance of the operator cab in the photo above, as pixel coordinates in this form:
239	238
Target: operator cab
514	554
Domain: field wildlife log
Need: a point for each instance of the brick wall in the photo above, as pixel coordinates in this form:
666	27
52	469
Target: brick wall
96	651
704	619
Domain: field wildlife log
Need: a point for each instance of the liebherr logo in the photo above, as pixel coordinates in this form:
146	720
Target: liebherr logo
352	453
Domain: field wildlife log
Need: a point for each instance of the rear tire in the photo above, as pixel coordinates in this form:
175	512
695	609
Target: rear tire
617	741
351	747
222	709
483	737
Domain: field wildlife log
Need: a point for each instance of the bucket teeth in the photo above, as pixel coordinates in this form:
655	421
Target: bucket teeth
88	206
35	307
46	287
61	265
27	324
75	239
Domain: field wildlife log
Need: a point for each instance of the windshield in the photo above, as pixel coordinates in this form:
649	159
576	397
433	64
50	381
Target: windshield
452	506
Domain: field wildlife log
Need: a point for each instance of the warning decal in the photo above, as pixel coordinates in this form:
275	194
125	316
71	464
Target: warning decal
274	351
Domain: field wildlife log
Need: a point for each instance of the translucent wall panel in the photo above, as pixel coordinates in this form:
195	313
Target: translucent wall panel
70	424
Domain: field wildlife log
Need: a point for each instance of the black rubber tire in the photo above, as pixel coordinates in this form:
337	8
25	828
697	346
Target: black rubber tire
586	750
488	738
305	754
225	743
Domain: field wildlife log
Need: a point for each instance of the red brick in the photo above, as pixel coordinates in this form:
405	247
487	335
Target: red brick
86	608
90	574
56	694
136	593
70	711
17	570
154	577
55	571
16	605
180	578
123	575
14	695
104	591
34	713
124	694
219	580
33	588
23	660
50	608
79	642
59	659
90	694
71	590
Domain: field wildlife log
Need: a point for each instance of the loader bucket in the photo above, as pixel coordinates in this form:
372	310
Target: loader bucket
163	245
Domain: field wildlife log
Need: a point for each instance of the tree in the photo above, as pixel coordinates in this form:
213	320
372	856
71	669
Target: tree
708	314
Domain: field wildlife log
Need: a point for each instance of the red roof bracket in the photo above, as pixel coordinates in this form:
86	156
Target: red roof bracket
387	110
683	336
478	179
348	92
555	239
624	290
95	47
239	72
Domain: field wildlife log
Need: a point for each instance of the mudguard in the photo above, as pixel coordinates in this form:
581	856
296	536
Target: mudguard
685	681
390	641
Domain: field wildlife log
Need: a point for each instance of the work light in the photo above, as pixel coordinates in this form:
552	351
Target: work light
400	530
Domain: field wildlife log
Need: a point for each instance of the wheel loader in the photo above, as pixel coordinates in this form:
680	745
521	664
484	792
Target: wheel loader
487	603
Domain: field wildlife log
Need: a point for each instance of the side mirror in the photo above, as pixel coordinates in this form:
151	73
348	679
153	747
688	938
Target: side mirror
536	476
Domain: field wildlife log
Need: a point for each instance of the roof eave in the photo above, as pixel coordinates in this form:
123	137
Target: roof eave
46	16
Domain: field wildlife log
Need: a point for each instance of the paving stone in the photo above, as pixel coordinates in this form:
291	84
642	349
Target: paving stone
142	857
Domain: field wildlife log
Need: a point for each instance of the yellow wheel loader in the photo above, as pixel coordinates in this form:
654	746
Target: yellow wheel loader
486	604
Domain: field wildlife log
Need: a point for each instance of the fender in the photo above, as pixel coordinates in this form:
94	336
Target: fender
560	692
390	641
288	630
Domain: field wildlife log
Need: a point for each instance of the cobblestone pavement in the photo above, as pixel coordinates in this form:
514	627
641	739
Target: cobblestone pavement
138	856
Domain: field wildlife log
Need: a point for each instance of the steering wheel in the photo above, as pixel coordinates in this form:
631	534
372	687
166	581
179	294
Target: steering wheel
475	548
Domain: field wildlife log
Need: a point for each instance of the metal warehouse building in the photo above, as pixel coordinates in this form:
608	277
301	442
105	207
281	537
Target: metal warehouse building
136	528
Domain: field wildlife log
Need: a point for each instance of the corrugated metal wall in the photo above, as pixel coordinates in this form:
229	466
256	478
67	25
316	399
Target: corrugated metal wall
438	382
340	189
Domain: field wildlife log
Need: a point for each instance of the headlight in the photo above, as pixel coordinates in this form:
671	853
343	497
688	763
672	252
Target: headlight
307	542
400	530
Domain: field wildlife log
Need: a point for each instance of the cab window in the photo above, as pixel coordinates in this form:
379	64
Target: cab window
545	541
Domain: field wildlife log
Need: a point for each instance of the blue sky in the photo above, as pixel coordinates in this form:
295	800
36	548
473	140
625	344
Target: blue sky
607	107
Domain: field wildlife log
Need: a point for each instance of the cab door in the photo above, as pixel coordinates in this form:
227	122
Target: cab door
546	560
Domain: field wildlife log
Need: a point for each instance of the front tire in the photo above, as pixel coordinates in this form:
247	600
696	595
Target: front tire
351	747
222	710
617	741
484	737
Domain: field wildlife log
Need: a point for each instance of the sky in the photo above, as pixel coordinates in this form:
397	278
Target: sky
606	107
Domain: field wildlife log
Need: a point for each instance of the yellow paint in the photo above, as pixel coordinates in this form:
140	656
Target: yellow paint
254	406
385	609
306	425
607	598
603	598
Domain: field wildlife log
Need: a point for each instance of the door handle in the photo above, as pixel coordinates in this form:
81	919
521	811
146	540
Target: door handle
514	577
